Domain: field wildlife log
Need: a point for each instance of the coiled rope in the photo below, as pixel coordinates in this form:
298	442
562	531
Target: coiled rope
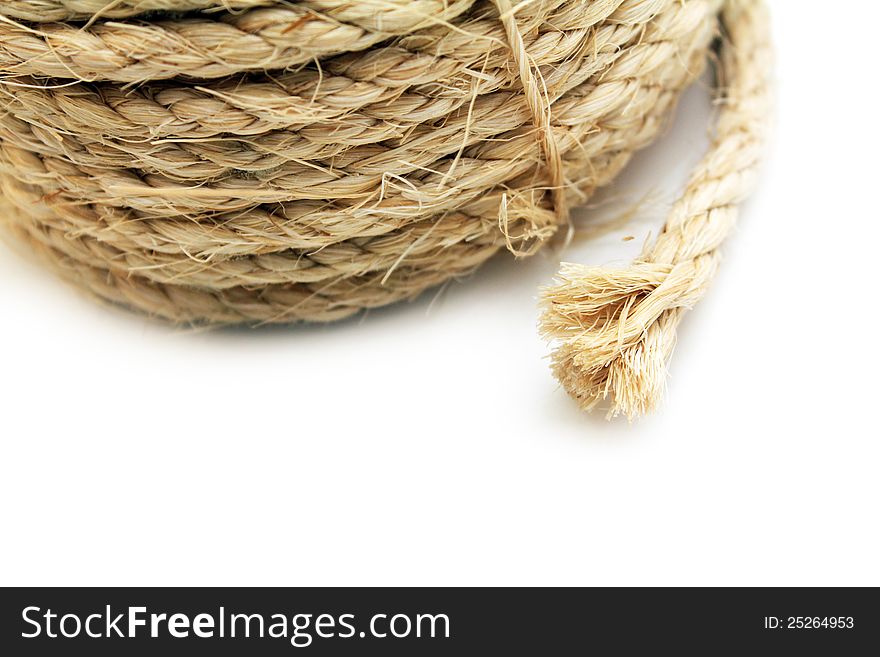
222	161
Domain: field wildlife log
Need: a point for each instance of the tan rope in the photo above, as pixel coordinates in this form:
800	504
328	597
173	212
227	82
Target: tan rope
67	10
617	326
387	15
260	161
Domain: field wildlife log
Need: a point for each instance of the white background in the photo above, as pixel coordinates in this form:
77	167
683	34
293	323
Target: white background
429	444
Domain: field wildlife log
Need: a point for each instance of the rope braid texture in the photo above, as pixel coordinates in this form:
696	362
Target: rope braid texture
227	161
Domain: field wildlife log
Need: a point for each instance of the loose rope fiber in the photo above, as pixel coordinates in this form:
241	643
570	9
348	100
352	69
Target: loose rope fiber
260	161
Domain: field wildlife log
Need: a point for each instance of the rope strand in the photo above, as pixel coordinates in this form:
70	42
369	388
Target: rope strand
615	328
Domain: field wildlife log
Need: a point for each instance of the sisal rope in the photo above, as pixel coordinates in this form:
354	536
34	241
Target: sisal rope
617	327
262	161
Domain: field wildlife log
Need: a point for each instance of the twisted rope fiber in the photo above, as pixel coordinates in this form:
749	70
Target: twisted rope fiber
256	161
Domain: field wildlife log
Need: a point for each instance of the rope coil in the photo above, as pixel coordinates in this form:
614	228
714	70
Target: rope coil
223	161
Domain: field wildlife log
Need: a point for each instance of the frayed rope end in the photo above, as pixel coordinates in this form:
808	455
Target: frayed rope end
615	330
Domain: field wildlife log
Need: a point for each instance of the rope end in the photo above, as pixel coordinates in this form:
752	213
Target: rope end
615	331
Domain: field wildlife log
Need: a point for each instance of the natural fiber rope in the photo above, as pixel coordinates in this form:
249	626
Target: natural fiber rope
617	327
270	161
